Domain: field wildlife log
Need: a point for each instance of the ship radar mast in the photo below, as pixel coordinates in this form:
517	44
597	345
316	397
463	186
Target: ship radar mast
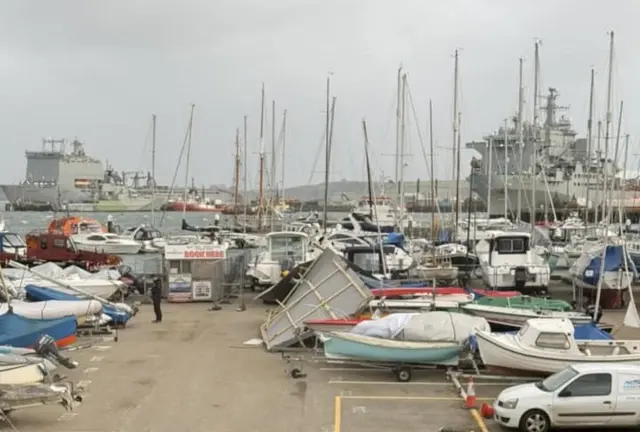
552	107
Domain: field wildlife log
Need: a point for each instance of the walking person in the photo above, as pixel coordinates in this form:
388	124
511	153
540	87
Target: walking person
156	298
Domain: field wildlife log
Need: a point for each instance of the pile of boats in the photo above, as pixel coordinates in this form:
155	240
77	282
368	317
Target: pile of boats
407	327
44	311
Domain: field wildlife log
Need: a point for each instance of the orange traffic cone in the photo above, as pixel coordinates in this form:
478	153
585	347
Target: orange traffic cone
471	400
487	411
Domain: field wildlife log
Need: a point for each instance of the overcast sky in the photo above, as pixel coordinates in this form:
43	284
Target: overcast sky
98	70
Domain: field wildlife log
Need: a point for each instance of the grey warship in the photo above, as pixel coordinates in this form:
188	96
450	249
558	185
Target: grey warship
563	172
54	175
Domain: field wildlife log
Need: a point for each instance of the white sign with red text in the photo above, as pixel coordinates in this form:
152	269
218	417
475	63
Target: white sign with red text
195	252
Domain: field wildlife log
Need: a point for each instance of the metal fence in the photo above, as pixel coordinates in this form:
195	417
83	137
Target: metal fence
228	277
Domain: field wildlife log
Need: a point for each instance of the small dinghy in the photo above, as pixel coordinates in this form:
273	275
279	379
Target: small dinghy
52	309
21	332
513	312
415	338
546	346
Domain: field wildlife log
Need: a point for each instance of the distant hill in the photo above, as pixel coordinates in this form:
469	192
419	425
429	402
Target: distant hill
353	190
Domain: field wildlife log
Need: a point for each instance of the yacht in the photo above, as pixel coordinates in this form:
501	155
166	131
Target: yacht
285	250
508	262
106	243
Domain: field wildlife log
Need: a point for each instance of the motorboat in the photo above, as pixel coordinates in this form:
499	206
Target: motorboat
106	243
149	238
507	262
545	346
285	250
514	312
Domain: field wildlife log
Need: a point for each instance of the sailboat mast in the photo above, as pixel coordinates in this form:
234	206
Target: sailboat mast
490	175
153	169
284	143
186	171
244	182
274	190
589	142
534	128
459	144
506	169
607	127
327	155
403	143
520	136
600	198
396	176
431	174
261	149
236	177
454	118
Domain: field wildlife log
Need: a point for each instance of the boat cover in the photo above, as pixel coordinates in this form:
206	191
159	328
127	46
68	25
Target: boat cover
587	267
423	327
328	290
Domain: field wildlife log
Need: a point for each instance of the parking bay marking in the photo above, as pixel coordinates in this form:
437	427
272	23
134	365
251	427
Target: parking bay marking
90	370
418	383
337	408
96	359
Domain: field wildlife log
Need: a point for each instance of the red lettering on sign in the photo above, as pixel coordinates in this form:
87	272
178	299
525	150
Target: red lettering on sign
204	254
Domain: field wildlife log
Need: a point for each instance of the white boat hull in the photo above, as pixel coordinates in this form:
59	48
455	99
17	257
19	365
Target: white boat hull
24	373
53	308
508	357
110	248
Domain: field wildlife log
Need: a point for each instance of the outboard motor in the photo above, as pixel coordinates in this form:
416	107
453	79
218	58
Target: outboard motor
520	278
591	309
46	348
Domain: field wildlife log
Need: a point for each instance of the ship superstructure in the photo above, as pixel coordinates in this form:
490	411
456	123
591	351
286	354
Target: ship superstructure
563	172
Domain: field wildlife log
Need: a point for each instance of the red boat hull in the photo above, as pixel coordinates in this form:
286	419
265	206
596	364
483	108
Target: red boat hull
193	207
421	291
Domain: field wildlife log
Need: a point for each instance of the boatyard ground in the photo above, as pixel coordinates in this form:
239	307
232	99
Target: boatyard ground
193	373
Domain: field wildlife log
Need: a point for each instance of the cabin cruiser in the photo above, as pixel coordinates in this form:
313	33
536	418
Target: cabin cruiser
507	262
478	229
285	250
149	238
106	243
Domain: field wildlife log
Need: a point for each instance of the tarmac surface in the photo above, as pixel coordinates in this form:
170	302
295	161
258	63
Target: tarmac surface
193	373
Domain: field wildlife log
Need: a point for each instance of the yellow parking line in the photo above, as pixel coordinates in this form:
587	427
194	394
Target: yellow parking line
337	414
409	398
478	419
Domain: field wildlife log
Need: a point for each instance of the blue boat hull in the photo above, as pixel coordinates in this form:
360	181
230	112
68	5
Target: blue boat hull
38	293
337	347
21	332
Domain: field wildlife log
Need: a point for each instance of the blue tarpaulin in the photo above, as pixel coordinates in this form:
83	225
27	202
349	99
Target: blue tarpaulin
614	260
395	239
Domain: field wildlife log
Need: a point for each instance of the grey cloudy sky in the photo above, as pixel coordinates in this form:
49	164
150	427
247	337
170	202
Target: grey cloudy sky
97	70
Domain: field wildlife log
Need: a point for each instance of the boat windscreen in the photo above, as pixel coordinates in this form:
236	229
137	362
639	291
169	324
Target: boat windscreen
12	240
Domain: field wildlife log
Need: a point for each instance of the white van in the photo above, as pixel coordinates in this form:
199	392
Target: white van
584	395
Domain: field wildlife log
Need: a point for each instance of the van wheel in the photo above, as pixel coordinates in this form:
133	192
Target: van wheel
535	421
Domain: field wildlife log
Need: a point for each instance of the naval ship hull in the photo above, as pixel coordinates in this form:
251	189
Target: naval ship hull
480	185
36	194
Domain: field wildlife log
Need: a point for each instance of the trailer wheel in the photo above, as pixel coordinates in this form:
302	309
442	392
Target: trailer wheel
296	373
403	374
